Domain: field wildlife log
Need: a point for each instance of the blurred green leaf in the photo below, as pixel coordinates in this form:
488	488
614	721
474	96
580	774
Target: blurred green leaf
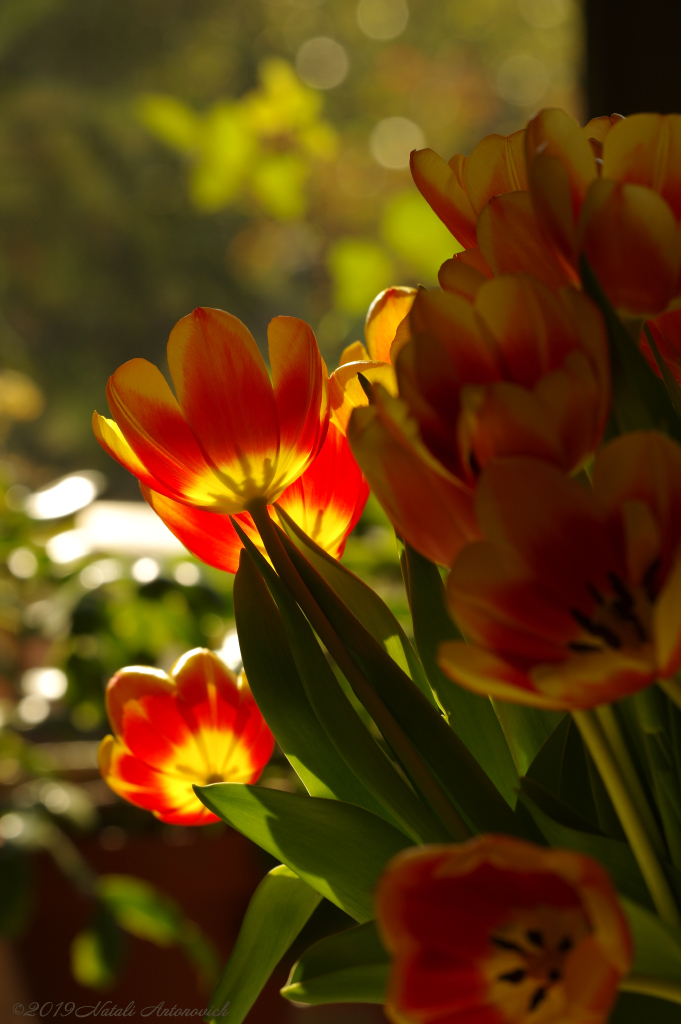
226	149
141	909
350	967
279	908
416	234
96	952
657	947
276	686
15	892
526	730
337	848
472	717
278	183
170	120
359	269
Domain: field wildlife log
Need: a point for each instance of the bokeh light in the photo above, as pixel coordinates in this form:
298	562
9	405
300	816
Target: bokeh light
322	63
393	139
382	19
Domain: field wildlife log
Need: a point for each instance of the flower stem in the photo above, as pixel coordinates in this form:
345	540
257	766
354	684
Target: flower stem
613	734
672	687
647	985
393	733
594	737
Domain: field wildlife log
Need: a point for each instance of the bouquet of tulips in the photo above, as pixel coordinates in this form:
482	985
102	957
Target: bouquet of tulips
497	802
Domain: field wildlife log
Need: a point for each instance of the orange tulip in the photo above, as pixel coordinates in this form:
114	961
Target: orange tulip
193	726
231	436
385	333
573	597
500	931
326	502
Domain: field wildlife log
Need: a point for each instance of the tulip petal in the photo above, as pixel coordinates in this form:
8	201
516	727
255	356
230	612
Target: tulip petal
554	133
586	680
441	185
208	535
301	394
433	514
511	241
151	421
384	317
328	499
666	330
346	392
598	128
645	149
667	624
355	353
629	236
485	673
112	441
464	274
496	166
225	393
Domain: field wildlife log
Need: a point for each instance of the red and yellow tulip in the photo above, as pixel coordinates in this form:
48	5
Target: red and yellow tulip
326	502
230	435
196	725
520	370
500	931
572	598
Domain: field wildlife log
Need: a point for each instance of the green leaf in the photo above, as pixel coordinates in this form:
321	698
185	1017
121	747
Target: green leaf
657	947
374	613
639	398
15	892
279	908
350	967
337	848
343	726
472	717
635	1009
140	909
526	730
96	952
445	754
614	855
668	378
279	692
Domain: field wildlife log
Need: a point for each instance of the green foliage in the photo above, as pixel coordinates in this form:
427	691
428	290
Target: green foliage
337	848
360	269
15	893
412	230
349	967
279	908
96	952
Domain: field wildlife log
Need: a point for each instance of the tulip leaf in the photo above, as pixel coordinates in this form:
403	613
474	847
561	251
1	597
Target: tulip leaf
279	908
367	605
639	398
337	848
472	717
349	967
280	695
614	855
344	727
657	947
446	755
668	378
526	730
635	1009
561	768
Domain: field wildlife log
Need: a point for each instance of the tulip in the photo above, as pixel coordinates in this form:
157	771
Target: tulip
194	726
666	332
572	598
500	931
231	436
385	331
326	502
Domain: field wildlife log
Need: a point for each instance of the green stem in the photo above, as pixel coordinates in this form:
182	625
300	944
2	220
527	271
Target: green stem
394	735
592	734
646	985
613	734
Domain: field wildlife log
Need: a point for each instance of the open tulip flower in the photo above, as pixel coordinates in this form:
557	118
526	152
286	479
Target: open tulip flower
326	502
385	332
231	436
193	726
573	597
500	931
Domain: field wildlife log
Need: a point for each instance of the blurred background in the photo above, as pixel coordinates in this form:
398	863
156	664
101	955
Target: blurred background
156	155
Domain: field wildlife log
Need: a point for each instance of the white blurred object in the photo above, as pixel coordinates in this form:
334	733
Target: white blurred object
230	652
145	570
187	574
11	826
50	683
22	563
522	80
382	19
106	570
67	495
322	63
393	139
33	710
128	528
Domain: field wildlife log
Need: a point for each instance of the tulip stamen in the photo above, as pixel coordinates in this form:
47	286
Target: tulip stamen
538	997
596	629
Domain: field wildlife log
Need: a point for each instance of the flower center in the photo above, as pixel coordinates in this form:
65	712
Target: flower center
620	619
214	777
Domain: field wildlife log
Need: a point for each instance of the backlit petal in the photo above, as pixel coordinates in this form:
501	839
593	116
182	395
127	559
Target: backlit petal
208	535
485	673
464	274
645	149
553	133
441	185
384	317
496	166
346	392
667	625
112	441
225	393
